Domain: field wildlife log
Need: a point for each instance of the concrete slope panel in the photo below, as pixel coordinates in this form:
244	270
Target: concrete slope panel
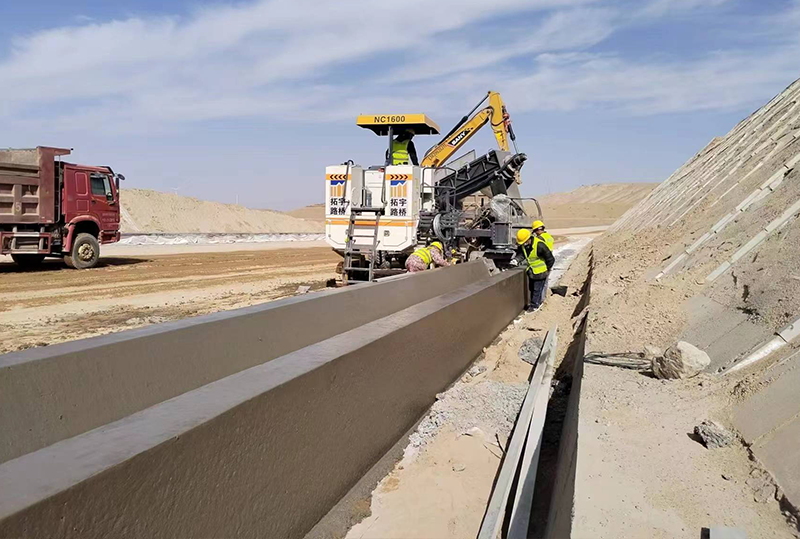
265	452
49	394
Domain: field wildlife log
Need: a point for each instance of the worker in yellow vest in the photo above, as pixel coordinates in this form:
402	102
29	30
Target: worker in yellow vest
536	256
423	258
403	150
538	229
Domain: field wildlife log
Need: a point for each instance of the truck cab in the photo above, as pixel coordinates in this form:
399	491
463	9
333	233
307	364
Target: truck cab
49	207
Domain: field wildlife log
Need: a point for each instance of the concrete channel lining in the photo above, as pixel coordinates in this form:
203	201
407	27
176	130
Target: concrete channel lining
562	503
265	452
769	420
52	393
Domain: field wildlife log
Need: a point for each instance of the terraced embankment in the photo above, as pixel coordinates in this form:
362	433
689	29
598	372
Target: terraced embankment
709	257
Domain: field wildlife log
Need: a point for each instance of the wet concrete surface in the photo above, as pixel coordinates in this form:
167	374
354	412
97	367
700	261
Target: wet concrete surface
264	452
49	394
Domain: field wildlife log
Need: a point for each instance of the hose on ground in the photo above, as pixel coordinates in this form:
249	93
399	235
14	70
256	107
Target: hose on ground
626	360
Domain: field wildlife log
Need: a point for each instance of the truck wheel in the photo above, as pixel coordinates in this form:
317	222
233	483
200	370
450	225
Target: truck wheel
85	252
27	260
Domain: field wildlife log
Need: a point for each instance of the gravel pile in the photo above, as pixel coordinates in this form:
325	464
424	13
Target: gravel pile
490	405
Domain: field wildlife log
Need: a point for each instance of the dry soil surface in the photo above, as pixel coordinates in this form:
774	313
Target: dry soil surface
56	304
643	473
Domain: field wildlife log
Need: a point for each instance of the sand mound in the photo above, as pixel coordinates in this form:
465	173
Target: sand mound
149	211
628	194
591	205
315	212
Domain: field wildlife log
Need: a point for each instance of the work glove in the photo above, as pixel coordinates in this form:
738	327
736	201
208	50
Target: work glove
514	262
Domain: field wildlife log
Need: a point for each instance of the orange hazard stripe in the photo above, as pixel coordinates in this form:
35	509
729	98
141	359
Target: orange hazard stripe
368	223
337	176
398	176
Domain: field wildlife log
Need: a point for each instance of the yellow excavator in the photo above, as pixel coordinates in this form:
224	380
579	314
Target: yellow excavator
495	112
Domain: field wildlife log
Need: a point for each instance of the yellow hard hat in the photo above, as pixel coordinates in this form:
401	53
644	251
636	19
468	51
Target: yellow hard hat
537	224
523	236
438	245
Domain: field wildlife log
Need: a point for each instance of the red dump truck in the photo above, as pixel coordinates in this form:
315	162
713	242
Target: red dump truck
52	208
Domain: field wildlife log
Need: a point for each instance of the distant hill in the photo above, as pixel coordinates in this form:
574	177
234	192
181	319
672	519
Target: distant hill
144	210
315	212
591	205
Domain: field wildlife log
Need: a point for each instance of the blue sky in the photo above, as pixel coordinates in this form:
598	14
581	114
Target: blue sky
253	99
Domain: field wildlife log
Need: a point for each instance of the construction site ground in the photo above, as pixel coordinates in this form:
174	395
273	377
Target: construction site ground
642	473
134	287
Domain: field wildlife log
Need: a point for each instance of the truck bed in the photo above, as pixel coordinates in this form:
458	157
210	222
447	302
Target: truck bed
27	185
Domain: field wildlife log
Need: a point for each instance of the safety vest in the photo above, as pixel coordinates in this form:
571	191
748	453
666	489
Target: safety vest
548	239
536	264
399	152
424	253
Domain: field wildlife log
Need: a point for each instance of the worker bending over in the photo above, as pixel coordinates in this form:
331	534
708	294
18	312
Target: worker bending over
403	150
537	257
423	258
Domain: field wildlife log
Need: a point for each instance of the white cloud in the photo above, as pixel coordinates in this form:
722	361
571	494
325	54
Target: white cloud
657	8
300	58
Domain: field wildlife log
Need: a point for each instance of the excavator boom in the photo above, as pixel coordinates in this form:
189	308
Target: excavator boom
495	113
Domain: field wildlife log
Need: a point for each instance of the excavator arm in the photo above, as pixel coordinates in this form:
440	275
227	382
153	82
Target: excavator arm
495	113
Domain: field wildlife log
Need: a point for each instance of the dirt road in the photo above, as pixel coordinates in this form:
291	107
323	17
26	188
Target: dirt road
56	304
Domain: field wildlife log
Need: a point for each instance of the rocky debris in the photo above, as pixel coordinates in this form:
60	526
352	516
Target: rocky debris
530	350
489	405
475	431
652	353
476	370
725	532
714	435
682	360
559	290
764	488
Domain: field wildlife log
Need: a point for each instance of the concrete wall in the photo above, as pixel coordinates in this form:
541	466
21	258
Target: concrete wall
769	420
562	504
49	394
264	452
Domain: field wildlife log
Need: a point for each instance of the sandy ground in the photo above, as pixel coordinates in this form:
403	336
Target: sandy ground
134	288
441	487
642	473
138	250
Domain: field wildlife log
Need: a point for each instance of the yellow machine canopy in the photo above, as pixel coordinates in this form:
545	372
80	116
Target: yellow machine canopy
379	124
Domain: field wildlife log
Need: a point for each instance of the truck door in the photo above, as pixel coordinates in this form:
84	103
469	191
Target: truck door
104	204
77	197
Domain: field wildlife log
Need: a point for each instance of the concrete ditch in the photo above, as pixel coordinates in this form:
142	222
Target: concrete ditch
265	451
562	490
53	393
